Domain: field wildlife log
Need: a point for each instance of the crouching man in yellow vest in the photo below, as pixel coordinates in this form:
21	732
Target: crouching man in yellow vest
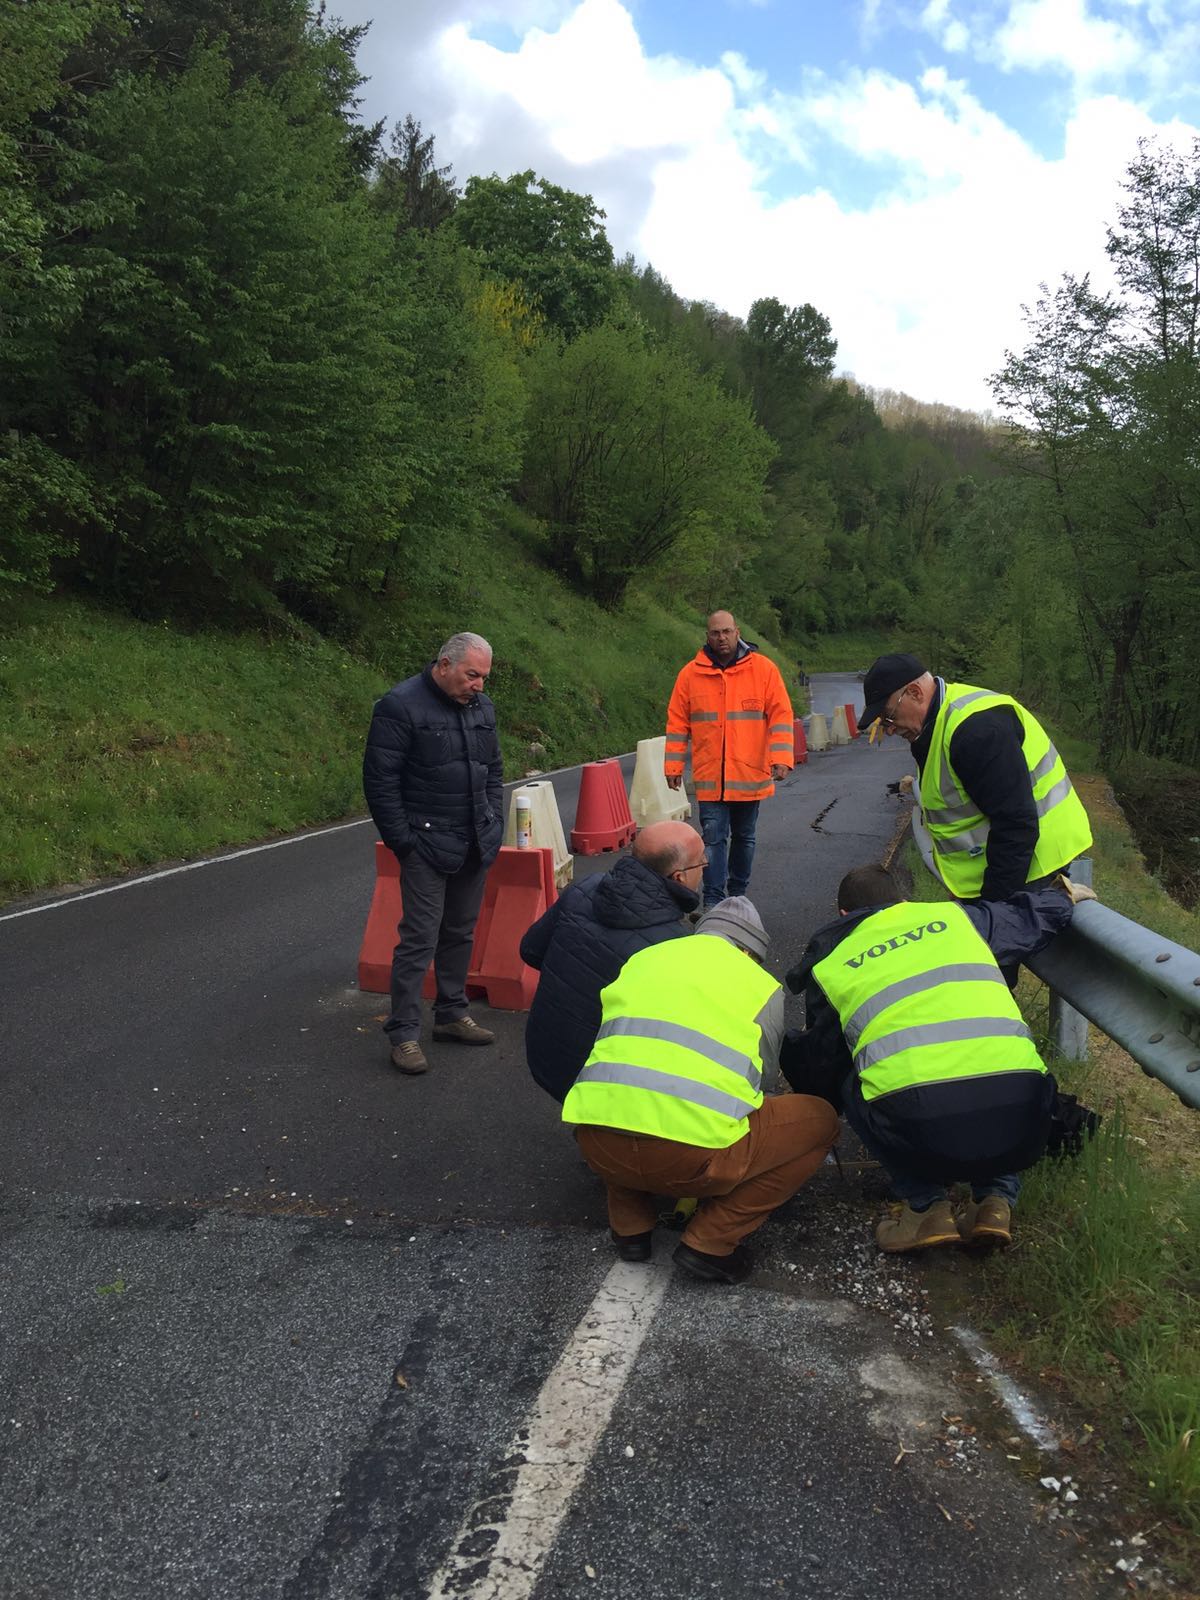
913	1032
670	1100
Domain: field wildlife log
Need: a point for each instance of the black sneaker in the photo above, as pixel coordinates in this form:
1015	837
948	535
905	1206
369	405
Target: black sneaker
632	1246
733	1268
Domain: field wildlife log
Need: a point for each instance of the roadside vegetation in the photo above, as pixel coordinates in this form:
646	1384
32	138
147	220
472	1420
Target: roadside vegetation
1098	1298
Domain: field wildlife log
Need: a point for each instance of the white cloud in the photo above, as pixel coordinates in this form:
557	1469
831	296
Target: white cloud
923	280
1064	34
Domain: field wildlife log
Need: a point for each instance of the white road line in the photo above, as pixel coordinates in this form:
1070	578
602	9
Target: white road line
188	866
556	1445
232	855
1016	1402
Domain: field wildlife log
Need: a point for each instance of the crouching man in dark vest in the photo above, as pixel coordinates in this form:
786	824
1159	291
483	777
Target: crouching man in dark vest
913	1033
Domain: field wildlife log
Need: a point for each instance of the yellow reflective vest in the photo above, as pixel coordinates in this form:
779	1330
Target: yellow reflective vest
958	830
921	1000
677	1054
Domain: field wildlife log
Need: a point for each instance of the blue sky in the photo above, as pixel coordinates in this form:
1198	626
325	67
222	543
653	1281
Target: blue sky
914	168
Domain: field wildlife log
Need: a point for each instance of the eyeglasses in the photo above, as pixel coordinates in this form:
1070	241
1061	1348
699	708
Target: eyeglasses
694	866
888	718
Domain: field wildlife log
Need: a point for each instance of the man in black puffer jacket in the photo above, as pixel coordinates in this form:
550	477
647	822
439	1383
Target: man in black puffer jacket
586	937
433	780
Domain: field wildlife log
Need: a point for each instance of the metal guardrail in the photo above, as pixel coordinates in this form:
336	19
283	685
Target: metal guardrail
1140	989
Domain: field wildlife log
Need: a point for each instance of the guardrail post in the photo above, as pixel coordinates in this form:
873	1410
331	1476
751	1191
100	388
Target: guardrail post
1068	1027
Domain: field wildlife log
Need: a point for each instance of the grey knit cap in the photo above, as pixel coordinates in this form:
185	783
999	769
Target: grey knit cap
737	920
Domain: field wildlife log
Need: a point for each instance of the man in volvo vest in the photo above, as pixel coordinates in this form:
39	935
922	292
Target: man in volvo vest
913	1032
670	1101
1001	812
730	701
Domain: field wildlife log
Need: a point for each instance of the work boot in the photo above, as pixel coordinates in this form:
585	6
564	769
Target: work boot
986	1221
465	1031
632	1246
733	1268
409	1057
917	1230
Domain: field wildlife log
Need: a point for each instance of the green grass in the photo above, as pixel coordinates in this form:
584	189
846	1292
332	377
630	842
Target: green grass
126	743
122	743
843	652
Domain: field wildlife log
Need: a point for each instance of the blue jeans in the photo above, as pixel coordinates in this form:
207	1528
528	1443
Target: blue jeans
720	822
920	1193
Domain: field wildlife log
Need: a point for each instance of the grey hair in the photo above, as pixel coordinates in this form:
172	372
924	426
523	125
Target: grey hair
457	645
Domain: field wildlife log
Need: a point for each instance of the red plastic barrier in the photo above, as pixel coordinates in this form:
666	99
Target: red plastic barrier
379	939
799	742
603	820
851	722
520	886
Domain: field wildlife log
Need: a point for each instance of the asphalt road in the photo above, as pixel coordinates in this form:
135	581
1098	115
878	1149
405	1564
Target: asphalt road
278	1322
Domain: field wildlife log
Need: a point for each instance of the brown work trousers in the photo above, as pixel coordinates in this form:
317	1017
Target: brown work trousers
786	1140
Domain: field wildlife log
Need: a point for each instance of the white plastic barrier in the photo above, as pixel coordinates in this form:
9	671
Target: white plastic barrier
545	826
839	731
818	732
650	798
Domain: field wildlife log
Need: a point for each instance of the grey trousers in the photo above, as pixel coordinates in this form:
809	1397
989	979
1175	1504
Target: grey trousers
438	923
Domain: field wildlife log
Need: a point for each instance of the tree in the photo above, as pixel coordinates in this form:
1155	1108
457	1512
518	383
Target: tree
408	186
1105	399
787	352
548	239
634	456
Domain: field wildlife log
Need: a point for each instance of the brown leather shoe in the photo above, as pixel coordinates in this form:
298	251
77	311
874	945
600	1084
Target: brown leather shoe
465	1031
409	1057
917	1230
987	1221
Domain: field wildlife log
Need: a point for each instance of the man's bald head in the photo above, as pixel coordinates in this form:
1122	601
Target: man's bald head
722	636
667	847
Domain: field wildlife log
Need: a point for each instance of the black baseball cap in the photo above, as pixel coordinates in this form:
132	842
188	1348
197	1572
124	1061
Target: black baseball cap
887	674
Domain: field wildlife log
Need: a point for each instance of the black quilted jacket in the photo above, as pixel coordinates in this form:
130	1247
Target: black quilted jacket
432	774
579	946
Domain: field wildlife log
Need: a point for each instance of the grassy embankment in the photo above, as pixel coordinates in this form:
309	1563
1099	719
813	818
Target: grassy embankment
126	743
1100	1293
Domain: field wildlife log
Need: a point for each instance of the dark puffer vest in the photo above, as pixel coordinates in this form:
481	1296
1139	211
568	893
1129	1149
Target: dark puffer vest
432	774
579	946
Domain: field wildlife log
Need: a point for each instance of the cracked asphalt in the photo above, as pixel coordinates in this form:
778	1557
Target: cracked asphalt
273	1315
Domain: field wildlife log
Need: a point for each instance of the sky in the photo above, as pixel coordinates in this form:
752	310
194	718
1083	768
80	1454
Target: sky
912	168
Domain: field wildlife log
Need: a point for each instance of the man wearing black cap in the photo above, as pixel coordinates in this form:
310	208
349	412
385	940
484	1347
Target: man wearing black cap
1000	810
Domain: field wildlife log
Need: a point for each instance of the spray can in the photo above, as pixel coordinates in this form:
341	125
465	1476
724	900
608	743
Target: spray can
524	822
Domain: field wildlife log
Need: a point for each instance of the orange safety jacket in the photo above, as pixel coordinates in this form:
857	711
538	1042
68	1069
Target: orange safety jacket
739	719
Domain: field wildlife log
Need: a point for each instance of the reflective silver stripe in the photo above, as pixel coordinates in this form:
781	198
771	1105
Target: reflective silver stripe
761	784
943	816
744	716
779	745
957	972
930	1033
699	1094
1045	766
690	1038
966	699
1055	796
975	839
697	785
781	727
704	716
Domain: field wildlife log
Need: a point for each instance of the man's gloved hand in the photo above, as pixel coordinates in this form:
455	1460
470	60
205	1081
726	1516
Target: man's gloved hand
674	779
778	774
902	785
1075	892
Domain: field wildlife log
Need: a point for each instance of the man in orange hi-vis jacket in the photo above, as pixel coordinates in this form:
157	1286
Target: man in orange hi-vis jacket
731	702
